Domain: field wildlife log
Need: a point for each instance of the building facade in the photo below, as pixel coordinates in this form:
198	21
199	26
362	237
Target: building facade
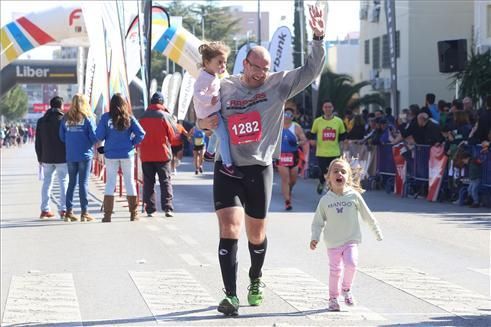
419	27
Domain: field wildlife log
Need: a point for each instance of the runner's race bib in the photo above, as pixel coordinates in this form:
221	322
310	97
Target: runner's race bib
245	128
198	141
286	159
328	134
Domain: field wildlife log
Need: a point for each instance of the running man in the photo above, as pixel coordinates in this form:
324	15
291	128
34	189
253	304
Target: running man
252	107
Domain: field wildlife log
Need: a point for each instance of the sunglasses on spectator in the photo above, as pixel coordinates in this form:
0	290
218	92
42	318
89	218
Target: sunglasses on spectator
288	115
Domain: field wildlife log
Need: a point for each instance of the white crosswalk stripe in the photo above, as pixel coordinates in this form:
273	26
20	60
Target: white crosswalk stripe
311	296
41	299
173	293
447	296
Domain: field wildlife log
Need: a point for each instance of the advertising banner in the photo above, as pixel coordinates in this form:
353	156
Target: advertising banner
280	49
400	163
437	164
174	87
185	95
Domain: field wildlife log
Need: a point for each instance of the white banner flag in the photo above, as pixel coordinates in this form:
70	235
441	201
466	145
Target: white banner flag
241	55
165	88
280	49
174	86
185	95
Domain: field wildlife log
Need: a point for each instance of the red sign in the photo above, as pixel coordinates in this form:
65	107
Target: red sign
400	163
42	107
438	162
328	134
245	128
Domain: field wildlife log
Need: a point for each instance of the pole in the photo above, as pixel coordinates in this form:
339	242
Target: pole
300	18
203	24
259	22
390	15
147	39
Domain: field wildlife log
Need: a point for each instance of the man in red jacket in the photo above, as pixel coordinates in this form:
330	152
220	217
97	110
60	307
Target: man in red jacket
156	155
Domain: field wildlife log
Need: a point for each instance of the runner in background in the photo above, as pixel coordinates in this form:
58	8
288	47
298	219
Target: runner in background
177	144
197	137
291	138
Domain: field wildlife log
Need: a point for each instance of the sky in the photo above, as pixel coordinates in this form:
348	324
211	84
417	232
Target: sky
342	16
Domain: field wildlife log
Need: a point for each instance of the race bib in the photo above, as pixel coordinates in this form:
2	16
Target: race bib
286	159
245	128
198	141
328	134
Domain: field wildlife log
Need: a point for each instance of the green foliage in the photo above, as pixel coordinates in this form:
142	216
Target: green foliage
342	93
475	79
14	104
299	15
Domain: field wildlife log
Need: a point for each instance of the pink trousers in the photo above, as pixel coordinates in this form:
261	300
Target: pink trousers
343	258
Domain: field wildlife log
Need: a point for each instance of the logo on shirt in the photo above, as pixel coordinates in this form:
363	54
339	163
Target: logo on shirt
339	210
328	134
339	205
244	104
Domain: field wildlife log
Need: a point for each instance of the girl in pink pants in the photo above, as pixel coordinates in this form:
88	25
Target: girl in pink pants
337	218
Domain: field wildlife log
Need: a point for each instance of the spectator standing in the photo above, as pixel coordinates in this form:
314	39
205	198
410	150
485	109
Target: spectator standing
433	108
51	155
156	155
121	133
77	131
329	130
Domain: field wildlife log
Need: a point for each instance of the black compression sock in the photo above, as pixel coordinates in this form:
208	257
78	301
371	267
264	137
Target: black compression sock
258	253
227	255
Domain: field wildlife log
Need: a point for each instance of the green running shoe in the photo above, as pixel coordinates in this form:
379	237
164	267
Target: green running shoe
255	296
229	306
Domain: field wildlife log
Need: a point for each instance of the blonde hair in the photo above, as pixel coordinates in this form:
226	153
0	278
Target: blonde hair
79	109
354	173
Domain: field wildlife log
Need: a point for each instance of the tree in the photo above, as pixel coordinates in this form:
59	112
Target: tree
343	94
475	79
14	104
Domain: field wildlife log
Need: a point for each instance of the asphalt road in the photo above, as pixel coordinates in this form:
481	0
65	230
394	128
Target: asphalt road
432	269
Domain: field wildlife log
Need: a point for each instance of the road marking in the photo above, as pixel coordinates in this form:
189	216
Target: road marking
189	240
153	228
288	283
174	295
42	299
190	260
167	240
484	271
447	296
171	227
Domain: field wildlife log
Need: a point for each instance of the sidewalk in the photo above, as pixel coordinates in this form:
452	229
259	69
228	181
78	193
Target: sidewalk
21	191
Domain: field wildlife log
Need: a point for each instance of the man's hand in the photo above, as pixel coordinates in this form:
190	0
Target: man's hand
313	244
214	100
316	21
208	122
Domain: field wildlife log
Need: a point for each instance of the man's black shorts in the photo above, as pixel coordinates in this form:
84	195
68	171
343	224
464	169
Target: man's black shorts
253	192
176	149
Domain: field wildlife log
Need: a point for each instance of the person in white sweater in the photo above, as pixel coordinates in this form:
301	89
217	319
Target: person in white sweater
206	98
337	216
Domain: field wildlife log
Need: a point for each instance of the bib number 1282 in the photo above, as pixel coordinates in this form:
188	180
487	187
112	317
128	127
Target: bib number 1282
245	128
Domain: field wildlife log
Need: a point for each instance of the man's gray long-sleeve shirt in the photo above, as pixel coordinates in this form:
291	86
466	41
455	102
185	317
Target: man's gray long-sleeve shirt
261	109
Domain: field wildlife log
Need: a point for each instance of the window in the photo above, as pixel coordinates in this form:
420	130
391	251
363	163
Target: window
367	52
376	53
386	49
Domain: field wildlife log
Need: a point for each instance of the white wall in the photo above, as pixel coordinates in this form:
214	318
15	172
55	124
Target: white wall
482	22
345	59
421	25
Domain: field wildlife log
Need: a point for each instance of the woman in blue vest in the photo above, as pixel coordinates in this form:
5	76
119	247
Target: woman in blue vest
291	138
121	133
77	131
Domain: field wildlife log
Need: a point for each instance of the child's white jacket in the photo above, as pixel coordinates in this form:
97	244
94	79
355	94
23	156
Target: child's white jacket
338	216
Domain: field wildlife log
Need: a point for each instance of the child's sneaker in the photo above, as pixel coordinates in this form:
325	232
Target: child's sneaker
288	205
348	297
333	305
231	171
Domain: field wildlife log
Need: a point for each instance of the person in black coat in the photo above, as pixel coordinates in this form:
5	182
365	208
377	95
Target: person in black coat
51	155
